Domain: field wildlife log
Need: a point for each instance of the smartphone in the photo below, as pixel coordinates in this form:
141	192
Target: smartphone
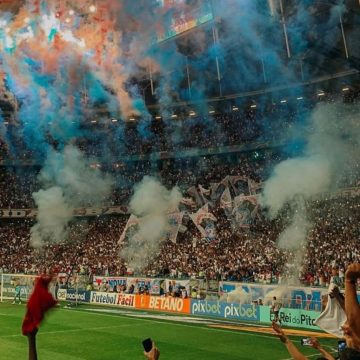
341	345
306	342
147	344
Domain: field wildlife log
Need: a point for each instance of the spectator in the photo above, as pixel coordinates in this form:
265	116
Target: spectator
293	350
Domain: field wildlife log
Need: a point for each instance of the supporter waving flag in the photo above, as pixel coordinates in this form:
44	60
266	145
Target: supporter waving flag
245	210
133	221
39	303
200	219
226	201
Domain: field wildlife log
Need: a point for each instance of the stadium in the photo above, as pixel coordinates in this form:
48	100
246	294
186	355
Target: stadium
179	179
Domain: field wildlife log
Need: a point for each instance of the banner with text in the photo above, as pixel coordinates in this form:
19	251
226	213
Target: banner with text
291	317
73	295
291	297
170	304
242	312
115	299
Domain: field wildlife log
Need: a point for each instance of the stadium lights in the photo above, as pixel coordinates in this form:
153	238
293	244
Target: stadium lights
345	89
253	106
284	101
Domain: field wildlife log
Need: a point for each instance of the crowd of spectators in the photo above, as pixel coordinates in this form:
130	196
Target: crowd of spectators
249	254
269	120
17	184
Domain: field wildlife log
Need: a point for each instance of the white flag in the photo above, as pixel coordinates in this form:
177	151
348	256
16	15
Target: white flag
225	200
198	217
133	220
175	220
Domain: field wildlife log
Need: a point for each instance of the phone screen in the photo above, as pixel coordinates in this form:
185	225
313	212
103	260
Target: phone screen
306	342
341	345
147	344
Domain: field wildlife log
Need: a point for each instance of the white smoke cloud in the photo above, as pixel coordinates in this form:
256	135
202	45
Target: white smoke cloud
151	197
294	235
331	155
68	183
306	176
53	216
151	202
71	171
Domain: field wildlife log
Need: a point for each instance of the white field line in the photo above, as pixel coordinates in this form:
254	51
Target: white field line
70	330
333	351
178	324
319	354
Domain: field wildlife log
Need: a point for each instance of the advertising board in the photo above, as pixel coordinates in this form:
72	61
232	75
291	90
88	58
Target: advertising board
179	16
298	318
115	299
224	310
170	304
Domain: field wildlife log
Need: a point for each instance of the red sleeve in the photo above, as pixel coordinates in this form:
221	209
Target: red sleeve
39	303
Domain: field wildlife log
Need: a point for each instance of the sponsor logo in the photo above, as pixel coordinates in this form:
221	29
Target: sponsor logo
163	303
302	320
125	300
205	307
76	296
292	317
166	303
61	294
244	312
225	310
103	298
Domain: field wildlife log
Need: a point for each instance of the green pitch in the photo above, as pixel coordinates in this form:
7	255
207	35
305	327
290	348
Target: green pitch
77	334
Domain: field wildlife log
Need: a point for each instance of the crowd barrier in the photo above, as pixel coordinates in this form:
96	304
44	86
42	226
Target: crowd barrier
295	297
296	318
301	298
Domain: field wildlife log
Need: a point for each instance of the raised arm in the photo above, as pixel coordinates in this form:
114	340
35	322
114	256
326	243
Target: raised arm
291	348
316	345
32	345
352	307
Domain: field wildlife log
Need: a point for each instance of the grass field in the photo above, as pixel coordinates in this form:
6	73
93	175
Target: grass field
82	334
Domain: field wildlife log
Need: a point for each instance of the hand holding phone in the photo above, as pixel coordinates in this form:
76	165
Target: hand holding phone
341	345
306	342
151	352
147	344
